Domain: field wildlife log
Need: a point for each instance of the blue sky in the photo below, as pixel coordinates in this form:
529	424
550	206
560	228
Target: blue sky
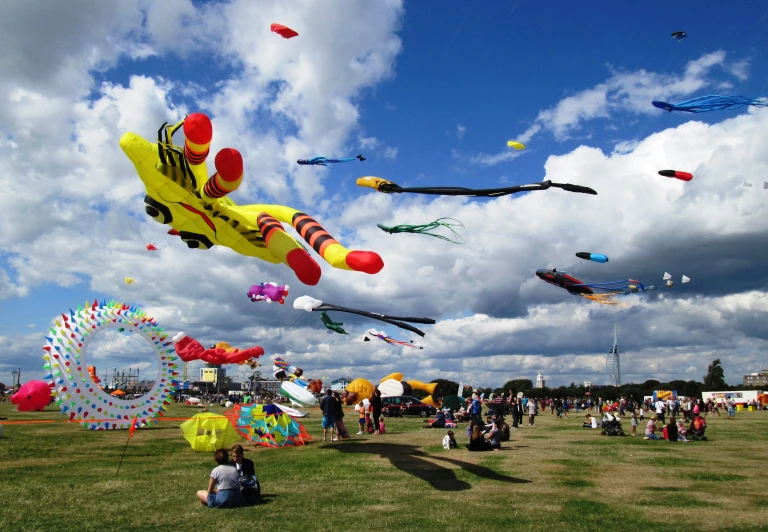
445	87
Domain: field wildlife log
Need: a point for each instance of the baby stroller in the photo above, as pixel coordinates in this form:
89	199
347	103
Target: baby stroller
612	427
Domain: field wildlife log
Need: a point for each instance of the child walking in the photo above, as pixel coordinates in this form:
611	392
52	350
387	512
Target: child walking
634	422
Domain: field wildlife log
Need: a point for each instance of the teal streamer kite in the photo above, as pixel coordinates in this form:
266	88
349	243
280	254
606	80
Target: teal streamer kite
426	228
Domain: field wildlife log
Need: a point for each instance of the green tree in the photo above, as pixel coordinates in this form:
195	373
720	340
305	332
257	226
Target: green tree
518	385
715	377
445	387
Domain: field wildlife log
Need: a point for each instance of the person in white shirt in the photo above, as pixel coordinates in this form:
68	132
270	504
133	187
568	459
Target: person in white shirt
660	410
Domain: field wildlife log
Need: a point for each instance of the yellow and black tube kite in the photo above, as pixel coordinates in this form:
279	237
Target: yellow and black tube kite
181	194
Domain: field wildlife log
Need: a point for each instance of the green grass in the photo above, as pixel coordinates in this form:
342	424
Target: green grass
553	476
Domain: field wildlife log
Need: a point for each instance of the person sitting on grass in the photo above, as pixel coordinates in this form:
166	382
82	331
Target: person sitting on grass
587	422
682	432
476	441
650	430
438	422
449	442
493	440
250	488
224	485
382	428
697	428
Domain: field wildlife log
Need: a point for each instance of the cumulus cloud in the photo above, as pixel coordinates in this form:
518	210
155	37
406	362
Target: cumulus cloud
460	130
628	92
77	214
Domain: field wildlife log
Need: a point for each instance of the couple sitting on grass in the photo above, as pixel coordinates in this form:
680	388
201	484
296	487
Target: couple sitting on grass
232	483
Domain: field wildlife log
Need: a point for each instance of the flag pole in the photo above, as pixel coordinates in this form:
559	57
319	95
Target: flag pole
130	433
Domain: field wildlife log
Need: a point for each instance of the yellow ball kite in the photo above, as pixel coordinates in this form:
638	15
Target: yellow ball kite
515	144
180	194
129	280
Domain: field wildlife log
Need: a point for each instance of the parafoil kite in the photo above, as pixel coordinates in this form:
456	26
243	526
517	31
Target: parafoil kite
714	102
181	194
190	349
388	187
324	161
426	228
679	35
32	395
594	257
209	432
391	341
268	292
283	31
311	304
669	283
332	325
515	144
151	247
682	176
129	280
268	425
598	292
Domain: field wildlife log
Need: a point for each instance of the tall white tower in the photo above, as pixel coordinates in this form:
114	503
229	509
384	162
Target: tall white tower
612	359
539	380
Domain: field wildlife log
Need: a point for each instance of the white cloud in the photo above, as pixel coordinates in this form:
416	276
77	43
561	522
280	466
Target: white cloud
77	214
460	130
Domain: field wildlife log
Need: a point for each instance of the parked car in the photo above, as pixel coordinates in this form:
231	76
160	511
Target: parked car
400	405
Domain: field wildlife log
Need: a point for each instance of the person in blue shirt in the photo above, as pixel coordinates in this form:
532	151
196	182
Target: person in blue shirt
329	406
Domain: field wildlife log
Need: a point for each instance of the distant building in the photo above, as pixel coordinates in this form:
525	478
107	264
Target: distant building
339	385
759	379
540	381
213	373
266	386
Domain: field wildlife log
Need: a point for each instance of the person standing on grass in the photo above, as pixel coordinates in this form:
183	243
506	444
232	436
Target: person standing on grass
531	411
634	423
660	406
361	417
476	409
376	406
328	406
223	485
731	404
341	430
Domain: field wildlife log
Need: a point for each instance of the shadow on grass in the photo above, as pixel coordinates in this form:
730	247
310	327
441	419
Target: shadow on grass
410	459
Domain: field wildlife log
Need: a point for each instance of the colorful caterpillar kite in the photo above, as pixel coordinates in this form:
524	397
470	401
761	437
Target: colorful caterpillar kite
180	194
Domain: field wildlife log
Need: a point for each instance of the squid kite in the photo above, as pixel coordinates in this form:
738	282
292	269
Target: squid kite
390	341
323	161
181	194
426	228
388	187
679	35
682	176
332	325
598	292
704	104
311	304
190	349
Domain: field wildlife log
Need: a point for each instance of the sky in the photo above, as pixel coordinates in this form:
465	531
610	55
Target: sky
429	94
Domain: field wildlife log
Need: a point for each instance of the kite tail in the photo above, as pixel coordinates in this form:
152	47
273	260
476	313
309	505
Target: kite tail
329	248
285	249
603	299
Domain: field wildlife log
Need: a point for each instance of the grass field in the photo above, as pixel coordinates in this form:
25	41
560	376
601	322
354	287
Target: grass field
554	476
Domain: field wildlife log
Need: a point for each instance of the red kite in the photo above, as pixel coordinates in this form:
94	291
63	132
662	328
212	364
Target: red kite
284	31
